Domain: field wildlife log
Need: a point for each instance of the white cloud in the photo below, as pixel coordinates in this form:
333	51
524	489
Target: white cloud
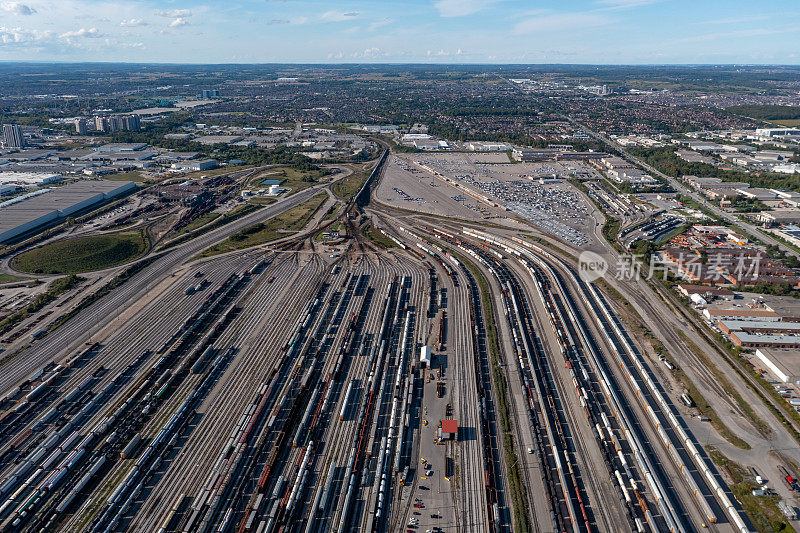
370	53
178	22
443	53
130	23
460	8
17	8
91	33
19	35
560	22
339	16
175	13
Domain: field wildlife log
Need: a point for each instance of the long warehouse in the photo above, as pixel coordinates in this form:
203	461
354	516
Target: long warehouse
25	215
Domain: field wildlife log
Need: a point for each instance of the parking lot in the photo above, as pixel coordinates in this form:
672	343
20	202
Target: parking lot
536	192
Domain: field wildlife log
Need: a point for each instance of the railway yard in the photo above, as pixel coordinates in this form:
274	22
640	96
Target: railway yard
460	378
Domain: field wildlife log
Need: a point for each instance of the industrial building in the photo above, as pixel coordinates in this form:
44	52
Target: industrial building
543	154
449	429
26	215
480	146
758	326
706	291
5	190
425	357
741	314
211	140
777	132
122	147
784	364
29	178
755	340
12	136
777	218
195	166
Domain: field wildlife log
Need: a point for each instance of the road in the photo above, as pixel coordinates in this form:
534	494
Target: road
89	321
748	228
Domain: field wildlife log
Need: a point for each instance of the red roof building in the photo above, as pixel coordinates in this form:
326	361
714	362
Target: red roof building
449	429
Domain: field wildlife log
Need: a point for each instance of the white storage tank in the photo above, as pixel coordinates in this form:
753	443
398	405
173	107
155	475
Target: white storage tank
274	189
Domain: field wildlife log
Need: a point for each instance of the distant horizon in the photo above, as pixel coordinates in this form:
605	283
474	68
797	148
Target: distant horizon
390	63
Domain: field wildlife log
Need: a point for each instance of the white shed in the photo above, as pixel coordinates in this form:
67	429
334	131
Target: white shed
425	356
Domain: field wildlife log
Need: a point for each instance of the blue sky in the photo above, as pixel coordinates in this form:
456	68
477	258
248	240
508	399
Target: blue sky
393	31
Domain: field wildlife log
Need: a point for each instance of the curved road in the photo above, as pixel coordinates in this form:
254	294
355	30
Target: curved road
80	328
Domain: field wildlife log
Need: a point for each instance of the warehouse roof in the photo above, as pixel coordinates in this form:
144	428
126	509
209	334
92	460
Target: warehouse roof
741	312
55	199
754	338
739	325
449	426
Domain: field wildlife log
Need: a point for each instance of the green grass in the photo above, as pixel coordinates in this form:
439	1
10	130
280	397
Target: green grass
260	200
230	216
347	188
275	228
293	179
516	487
134	175
377	237
9	278
200	221
762	510
789	123
214	172
611	231
331	214
83	254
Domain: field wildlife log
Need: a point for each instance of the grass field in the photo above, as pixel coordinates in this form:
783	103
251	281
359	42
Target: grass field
9	278
377	237
134	175
214	172
230	216
261	200
762	510
83	254
789	123
288	222
293	179
332	212
349	186
200	221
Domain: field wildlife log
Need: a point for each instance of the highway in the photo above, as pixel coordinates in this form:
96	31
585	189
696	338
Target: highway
282	388
108	312
748	228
